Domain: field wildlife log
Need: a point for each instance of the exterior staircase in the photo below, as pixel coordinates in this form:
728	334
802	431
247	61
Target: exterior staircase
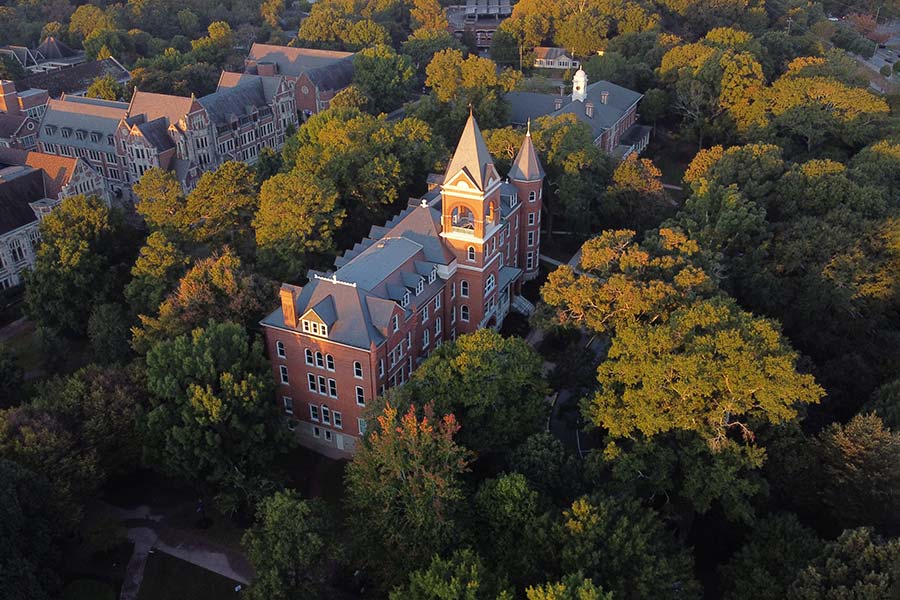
521	305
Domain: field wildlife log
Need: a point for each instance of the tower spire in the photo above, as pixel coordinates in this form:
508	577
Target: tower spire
471	155
527	165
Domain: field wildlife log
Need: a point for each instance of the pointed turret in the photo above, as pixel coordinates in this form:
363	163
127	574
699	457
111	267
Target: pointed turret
527	165
471	156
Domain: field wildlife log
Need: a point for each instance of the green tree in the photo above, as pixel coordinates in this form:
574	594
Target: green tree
428	15
11	377
75	264
212	419
155	272
548	466
216	288
222	206
106	88
572	587
102	406
215	47
404	492
10	68
351	97
885	403
297	218
385	77
493	385
507	516
625	546
636	196
463	576
29	556
423	44
87	19
108	329
161	202
289	547
858	565
777	548
710	368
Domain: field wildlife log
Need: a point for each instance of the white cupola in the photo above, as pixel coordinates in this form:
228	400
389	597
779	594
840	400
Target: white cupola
579	86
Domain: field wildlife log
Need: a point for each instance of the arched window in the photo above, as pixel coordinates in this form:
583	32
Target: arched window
464	312
357	369
309	357
329	362
462	217
464	289
470	253
320	360
532	196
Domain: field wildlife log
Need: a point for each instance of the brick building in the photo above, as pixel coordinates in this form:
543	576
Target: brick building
31	185
608	109
449	264
315	76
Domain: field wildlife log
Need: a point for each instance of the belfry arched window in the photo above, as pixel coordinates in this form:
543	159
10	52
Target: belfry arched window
462	217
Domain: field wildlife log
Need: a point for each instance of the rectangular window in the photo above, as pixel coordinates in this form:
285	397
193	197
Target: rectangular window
320	360
311	381
332	388
452	315
317	432
453	290
326	415
531	218
396	323
361	426
279	349
288	405
529	261
314	412
437	302
489	284
408	342
425	338
323	386
381	367
338	419
284	374
328	435
424	313
360	396
437	326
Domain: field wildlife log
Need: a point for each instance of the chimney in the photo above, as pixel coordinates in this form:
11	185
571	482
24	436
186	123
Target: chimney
8	97
604	97
267	69
589	109
288	304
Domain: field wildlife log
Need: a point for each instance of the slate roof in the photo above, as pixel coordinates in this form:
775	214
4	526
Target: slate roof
88	114
227	102
471	155
549	53
526	166
156	132
296	61
154	106
75	79
17	189
525	106
334	76
10	124
270	85
57	170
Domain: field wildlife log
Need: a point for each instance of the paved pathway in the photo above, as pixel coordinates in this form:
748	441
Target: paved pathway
149	533
13	329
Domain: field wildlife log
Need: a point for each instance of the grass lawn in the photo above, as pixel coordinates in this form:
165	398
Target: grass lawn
169	578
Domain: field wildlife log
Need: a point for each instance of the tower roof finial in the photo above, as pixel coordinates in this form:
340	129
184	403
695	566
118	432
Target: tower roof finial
528	130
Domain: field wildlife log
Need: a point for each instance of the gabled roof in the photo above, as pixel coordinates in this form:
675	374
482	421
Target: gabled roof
57	170
52	48
295	61
378	262
531	105
74	80
154	106
471	156
550	53
156	132
11	124
527	165
17	190
270	84
227	102
91	115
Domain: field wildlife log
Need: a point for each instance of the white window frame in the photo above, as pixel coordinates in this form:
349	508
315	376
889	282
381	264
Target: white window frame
285	376
309	358
329	362
338	419
311	382
357	369
288	404
332	388
279	349
326	415
464	313
463	289
361	426
314	413
395	322
360	396
470	254
437	302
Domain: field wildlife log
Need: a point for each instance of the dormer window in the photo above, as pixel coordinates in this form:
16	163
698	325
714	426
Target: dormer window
404	302
433	275
420	287
314	328
66	132
79	134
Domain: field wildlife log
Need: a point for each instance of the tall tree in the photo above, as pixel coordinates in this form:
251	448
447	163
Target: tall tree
625	546
295	225
493	385
384	76
463	576
156	271
289	547
11	377
212	419
404	492
105	88
572	587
